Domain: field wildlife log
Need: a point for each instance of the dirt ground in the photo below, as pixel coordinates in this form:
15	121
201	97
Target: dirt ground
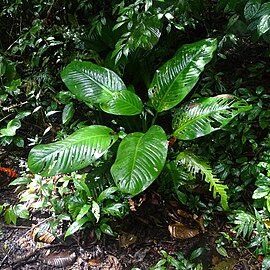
139	245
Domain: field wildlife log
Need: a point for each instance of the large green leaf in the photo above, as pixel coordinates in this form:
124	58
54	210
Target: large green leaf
123	103
91	83
97	85
73	153
175	79
140	159
205	115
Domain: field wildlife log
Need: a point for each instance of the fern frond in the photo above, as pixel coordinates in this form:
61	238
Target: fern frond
196	165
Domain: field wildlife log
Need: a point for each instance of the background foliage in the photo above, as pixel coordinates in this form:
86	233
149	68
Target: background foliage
133	39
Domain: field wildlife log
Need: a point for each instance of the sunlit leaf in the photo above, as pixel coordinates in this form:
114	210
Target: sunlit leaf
105	194
68	113
196	165
176	78
96	210
94	84
11	128
105	228
205	115
251	9
140	159
75	226
75	152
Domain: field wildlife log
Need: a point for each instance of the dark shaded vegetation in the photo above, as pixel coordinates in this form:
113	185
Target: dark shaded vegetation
134	39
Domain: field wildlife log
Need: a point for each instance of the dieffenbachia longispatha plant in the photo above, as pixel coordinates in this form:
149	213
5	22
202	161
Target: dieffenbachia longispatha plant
141	156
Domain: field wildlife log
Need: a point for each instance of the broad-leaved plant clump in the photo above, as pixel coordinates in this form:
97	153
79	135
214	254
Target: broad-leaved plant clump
141	155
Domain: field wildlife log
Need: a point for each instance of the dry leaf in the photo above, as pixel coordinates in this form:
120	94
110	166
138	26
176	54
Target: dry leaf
267	223
132	205
127	239
184	214
200	222
41	235
181	231
228	264
111	263
93	262
61	259
260	258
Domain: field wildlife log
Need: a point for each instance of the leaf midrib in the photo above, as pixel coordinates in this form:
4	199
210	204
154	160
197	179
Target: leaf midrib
135	156
131	104
106	90
176	77
196	118
68	146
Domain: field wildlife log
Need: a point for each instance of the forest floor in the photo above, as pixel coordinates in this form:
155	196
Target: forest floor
143	236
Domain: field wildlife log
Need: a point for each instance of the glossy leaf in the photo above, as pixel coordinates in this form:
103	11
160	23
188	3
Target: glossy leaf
251	9
75	226
91	83
176	78
80	185
205	115
114	209
11	128
10	216
94	84
21	211
266	263
95	210
106	194
73	153
140	159
123	103
105	228
68	113
264	24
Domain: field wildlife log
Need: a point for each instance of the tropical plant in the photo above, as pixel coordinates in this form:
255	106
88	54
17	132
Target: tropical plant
141	22
179	261
262	193
76	198
251	16
141	155
254	227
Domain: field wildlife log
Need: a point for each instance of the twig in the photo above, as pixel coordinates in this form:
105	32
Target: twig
16	227
7	116
5	257
15	105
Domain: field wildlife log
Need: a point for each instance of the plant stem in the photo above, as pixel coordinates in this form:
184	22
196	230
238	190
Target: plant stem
144	121
154	119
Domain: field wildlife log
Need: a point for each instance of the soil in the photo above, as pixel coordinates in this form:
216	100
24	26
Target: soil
142	237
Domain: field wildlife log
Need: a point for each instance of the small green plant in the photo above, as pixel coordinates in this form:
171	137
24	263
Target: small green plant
142	154
10	120
77	199
179	261
262	193
12	212
254	228
248	17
